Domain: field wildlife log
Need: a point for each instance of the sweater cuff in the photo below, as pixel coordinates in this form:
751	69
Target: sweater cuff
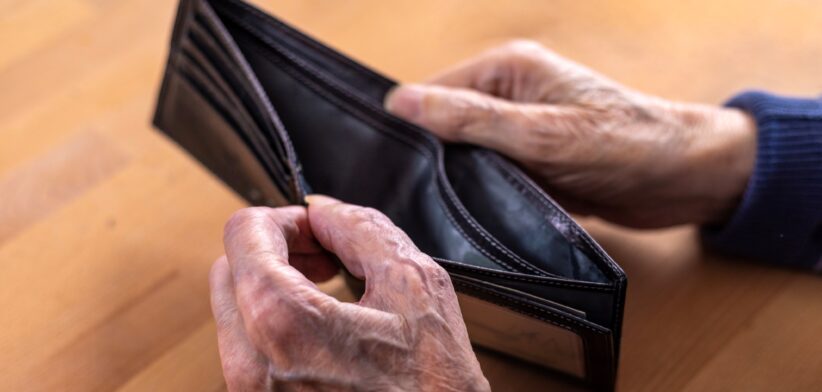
779	219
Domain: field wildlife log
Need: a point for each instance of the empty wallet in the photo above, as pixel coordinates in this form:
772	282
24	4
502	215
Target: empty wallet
277	115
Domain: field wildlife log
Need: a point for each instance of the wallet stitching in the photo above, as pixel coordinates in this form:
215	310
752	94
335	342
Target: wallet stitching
551	210
618	303
533	307
618	285
533	280
316	45
493	242
585	345
469	238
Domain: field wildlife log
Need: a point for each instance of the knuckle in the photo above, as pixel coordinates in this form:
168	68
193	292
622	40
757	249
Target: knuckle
458	122
368	218
242	218
468	114
428	279
523	47
434	270
258	310
267	325
532	136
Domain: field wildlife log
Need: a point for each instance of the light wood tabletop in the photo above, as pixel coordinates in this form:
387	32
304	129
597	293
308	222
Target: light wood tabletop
107	229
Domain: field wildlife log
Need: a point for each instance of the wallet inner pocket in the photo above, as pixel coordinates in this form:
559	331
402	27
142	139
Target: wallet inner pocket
518	223
224	102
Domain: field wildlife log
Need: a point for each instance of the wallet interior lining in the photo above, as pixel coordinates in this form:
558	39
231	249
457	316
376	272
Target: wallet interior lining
574	263
523	227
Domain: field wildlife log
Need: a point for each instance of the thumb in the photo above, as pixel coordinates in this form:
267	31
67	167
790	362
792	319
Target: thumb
468	116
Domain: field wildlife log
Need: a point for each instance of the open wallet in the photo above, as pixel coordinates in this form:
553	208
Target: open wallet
277	115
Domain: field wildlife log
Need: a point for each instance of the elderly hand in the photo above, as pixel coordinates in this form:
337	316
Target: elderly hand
597	146
276	329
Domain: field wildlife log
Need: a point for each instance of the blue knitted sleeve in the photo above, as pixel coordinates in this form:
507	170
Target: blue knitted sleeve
779	219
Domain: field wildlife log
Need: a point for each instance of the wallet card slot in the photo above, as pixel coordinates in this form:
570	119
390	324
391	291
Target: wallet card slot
591	361
524	295
193	58
200	83
597	300
251	127
215	143
207	90
205	28
213	55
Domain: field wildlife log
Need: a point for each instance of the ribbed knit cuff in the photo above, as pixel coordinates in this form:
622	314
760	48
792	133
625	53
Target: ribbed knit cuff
779	219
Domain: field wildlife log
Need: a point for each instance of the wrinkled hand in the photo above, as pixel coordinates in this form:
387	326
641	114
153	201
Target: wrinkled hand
597	146
277	330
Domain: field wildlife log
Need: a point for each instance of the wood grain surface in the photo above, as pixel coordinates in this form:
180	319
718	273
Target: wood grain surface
107	230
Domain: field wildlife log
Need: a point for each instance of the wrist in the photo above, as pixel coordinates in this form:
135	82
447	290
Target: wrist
719	158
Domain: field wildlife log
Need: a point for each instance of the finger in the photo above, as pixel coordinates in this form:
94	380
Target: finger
244	368
397	275
521	131
273	297
361	237
515	71
284	231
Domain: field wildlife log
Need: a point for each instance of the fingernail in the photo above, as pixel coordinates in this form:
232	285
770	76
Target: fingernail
405	101
320	200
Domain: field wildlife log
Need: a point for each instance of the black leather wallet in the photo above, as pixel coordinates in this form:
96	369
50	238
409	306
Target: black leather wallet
277	115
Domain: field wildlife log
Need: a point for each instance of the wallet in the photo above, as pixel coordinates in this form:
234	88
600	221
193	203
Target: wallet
277	115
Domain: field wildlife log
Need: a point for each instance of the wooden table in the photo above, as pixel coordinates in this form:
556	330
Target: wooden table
107	230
